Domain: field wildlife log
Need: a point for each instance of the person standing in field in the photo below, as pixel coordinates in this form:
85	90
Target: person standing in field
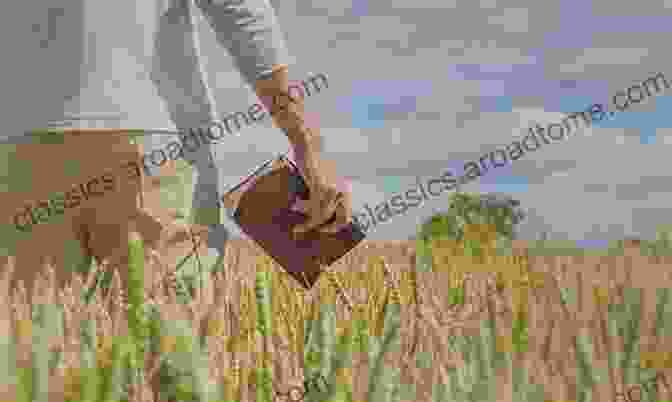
88	76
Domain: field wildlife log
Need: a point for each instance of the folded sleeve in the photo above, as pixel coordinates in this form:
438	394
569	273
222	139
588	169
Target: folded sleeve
250	31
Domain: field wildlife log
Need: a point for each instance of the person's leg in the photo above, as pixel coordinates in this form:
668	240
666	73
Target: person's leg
188	188
206	188
167	185
183	193
206	205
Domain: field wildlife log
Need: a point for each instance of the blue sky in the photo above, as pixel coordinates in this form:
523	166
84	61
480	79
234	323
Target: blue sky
501	83
372	100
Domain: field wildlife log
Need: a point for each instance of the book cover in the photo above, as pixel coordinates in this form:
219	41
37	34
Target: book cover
267	206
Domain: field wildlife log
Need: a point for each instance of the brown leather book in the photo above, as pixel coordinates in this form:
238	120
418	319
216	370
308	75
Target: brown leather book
264	206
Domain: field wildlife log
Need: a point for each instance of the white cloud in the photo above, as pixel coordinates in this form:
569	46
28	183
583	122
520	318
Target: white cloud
605	56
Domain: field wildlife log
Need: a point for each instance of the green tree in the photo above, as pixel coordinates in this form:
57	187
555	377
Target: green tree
496	209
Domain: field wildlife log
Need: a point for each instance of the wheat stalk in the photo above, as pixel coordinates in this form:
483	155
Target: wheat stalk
338	288
395	297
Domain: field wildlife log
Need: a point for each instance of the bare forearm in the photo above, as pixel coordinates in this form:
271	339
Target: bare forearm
288	113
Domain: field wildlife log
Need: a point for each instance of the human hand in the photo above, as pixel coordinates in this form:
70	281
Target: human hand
329	207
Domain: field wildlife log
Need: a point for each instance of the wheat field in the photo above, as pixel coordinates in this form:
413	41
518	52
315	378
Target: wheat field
376	327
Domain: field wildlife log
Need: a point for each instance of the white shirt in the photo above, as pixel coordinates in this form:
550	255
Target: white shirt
124	63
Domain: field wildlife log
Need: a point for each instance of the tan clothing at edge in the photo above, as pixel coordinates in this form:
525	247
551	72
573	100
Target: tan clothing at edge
104	198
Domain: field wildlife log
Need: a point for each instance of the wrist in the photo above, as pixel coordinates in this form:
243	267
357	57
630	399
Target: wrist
305	154
303	136
306	145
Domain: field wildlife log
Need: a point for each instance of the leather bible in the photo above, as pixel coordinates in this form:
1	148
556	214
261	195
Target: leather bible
264	205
